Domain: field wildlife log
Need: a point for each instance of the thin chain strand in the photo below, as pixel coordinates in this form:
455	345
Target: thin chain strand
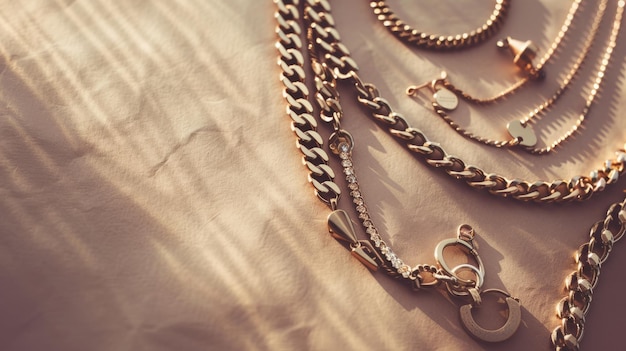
423	40
596	84
394	265
571	310
544	60
553	99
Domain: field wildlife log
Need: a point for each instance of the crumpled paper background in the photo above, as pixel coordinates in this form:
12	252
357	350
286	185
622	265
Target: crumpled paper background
153	199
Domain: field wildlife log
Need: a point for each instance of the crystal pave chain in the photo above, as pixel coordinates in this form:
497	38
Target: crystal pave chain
579	285
326	45
444	98
424	275
311	144
423	40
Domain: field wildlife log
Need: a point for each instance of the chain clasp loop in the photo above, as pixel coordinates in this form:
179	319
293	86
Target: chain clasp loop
456	285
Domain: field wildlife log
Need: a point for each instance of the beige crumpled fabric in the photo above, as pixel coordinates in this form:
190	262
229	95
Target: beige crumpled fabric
152	197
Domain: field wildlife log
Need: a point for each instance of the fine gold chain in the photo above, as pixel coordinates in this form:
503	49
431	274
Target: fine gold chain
445	94
520	130
525	56
538	67
580	284
424	40
572	309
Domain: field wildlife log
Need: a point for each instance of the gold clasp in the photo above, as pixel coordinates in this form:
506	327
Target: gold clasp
456	285
460	287
413	89
441	96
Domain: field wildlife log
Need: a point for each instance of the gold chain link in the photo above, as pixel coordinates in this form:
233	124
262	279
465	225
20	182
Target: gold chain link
299	109
578	188
571	310
424	40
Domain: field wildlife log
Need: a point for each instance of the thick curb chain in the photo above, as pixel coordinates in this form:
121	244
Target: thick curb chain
424	40
572	309
578	188
299	109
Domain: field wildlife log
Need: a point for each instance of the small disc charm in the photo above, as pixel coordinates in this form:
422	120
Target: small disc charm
446	99
523	133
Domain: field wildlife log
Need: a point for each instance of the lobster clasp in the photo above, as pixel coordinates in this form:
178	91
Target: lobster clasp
442	96
457	285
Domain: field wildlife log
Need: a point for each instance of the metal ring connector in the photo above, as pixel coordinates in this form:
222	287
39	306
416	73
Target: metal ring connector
341	141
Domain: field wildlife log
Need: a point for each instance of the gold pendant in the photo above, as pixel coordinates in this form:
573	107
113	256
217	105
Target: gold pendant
496	335
523	133
340	227
446	99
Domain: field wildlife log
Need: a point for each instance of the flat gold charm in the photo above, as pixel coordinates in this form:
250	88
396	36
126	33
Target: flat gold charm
524	134
495	335
446	99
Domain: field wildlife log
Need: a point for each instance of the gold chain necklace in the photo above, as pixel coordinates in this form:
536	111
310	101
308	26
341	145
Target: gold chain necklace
291	60
424	40
445	93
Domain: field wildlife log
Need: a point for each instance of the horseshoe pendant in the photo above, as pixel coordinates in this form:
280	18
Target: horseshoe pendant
495	335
